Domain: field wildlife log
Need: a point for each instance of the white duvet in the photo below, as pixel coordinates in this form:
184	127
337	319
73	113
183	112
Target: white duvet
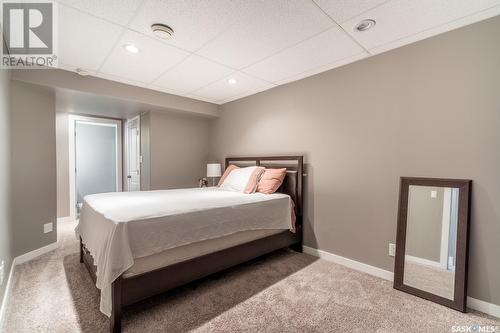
118	227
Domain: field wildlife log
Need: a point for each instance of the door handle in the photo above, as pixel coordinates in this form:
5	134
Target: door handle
129	176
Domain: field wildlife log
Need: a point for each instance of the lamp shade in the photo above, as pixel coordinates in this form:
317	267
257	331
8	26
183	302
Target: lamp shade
213	170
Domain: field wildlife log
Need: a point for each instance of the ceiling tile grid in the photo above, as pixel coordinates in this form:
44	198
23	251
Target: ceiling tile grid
343	10
398	19
84	40
327	47
193	73
268	27
258	43
153	58
324	68
116	11
221	90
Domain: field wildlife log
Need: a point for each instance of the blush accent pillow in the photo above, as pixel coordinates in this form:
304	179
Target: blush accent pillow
226	173
271	180
243	179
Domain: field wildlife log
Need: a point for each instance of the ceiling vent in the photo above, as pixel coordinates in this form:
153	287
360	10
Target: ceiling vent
162	31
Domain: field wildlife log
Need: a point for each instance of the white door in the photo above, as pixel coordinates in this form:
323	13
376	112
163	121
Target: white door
133	155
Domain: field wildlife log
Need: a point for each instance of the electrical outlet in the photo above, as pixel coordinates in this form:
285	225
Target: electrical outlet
392	249
2	270
47	227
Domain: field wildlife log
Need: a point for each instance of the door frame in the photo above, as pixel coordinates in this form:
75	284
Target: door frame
126	151
72	119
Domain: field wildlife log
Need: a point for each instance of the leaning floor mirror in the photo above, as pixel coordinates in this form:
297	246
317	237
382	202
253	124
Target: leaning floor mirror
432	240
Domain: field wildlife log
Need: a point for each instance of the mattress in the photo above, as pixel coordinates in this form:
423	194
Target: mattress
190	251
120	228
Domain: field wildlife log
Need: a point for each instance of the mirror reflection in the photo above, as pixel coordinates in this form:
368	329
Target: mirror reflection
431	237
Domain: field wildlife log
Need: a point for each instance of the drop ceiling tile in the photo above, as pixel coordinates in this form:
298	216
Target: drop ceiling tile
178	93
398	19
121	79
116	11
72	68
324	68
195	22
327	47
84	41
153	59
209	100
247	93
269	27
193	73
222	90
342	10
483	15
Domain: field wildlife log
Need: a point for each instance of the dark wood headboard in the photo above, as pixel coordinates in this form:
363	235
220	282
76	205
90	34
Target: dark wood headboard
292	184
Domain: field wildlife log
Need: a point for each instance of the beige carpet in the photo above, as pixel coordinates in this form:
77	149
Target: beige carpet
282	292
435	280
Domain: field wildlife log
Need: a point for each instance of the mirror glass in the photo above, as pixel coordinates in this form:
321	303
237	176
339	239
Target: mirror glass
431	237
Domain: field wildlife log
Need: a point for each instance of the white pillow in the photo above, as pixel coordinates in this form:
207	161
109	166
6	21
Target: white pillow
242	179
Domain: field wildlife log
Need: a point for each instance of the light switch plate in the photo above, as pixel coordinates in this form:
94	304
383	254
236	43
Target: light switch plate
47	227
392	249
434	194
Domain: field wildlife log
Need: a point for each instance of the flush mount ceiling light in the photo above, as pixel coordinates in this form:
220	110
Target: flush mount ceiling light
82	72
162	31
365	25
232	81
131	48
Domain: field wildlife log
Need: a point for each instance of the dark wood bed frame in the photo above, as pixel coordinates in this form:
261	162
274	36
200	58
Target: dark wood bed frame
129	290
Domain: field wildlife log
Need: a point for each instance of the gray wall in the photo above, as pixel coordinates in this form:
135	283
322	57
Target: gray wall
93	89
428	109
424	223
33	166
178	150
5	172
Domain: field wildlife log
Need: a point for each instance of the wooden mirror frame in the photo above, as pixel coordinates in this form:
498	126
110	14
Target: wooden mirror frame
459	301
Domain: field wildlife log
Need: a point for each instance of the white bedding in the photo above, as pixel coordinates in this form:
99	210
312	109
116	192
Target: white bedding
118	227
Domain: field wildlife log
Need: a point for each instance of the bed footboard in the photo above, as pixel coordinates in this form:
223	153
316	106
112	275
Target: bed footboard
127	291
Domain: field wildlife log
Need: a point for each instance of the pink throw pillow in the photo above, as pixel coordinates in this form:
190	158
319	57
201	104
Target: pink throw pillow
271	180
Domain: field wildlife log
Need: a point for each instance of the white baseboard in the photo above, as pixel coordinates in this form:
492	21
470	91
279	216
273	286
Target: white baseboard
472	303
426	262
482	306
16	261
35	253
65	219
359	266
6	295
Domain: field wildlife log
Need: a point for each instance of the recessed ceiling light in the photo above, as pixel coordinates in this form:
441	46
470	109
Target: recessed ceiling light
131	48
232	81
365	25
162	31
82	72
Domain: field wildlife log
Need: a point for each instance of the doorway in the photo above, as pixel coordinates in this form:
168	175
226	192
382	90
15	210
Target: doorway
95	158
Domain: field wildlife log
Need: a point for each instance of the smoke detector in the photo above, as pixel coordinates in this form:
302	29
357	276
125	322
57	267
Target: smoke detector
162	31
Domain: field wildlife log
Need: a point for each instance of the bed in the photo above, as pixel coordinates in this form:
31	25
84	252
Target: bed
139	244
